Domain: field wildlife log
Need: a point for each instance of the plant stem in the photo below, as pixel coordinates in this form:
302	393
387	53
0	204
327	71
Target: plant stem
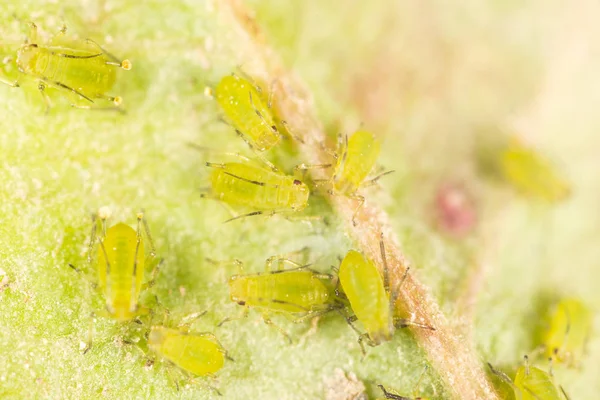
451	355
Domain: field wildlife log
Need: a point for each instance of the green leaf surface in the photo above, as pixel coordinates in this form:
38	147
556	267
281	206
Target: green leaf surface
431	78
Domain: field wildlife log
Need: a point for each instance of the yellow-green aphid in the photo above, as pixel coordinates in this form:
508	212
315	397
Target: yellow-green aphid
79	67
199	354
532	383
569	329
121	263
268	192
300	292
247	112
355	159
531	174
370	297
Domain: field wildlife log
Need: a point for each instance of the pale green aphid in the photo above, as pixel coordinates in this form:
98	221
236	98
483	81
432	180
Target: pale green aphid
531	174
247	112
80	68
370	297
258	188
532	383
120	261
569	330
300	293
355	159
199	354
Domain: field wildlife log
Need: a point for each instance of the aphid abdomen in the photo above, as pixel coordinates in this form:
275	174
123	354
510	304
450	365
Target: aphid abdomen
361	155
257	188
532	383
196	354
364	288
234	95
91	77
294	291
121	278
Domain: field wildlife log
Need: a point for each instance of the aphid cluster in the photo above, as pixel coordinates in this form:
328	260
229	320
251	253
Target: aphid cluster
126	264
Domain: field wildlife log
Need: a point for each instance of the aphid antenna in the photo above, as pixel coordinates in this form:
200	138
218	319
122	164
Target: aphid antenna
562	390
255	213
373	181
502	376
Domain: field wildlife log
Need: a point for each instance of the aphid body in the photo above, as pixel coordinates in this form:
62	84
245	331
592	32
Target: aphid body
570	327
358	156
292	291
371	299
121	261
531	174
258	188
532	383
198	354
246	110
77	66
365	290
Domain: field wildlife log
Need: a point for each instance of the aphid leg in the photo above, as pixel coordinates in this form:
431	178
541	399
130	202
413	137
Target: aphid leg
11	84
416	389
392	396
257	153
292	134
88	344
268	321
501	375
373	181
361	202
243	315
562	390
280	261
314	314
32	36
405	323
303	168
238	263
350	320
70	89
188	320
195	380
42	89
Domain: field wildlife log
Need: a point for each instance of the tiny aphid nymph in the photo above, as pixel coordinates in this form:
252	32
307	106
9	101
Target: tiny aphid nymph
299	293
257	188
532	383
247	111
199	354
569	330
79	68
370	298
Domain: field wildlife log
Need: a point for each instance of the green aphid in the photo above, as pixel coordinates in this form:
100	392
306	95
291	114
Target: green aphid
371	299
249	114
532	383
355	159
299	293
79	68
199	354
120	263
257	188
569	330
531	174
